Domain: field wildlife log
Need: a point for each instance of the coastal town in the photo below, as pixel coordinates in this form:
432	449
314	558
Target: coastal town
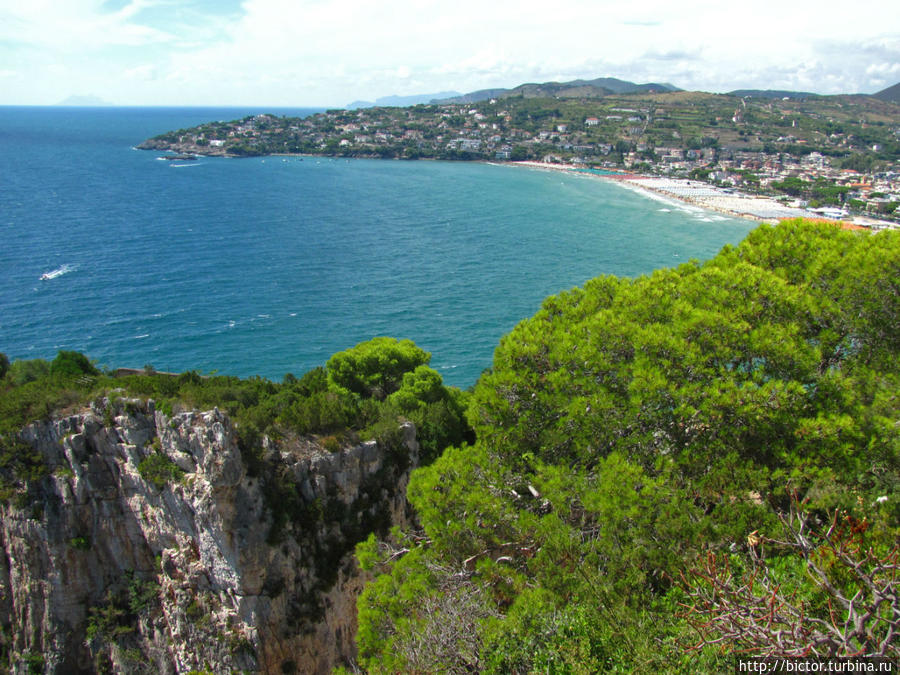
766	157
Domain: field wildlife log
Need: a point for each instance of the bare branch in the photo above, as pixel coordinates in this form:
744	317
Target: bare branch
756	614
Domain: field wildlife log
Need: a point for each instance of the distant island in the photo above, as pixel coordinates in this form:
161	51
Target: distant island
810	150
88	100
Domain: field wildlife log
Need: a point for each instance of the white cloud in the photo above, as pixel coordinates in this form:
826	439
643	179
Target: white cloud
308	52
77	26
145	72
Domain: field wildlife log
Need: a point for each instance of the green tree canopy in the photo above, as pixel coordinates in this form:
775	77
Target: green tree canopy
72	364
418	388
375	368
632	426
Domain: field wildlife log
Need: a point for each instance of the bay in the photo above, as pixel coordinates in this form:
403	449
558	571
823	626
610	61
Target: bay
265	266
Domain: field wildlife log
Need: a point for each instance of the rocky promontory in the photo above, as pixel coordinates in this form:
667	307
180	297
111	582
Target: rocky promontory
156	543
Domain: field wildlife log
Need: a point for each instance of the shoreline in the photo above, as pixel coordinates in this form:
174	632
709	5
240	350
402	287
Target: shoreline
639	183
699	195
678	192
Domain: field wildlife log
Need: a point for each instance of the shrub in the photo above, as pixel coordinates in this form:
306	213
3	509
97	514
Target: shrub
331	444
72	364
20	464
159	470
80	543
23	372
34	663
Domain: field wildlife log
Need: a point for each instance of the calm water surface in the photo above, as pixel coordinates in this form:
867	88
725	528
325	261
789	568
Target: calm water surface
269	265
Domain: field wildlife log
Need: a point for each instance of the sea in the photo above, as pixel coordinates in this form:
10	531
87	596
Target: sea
268	266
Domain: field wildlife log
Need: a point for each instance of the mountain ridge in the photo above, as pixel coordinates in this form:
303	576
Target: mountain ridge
890	94
596	88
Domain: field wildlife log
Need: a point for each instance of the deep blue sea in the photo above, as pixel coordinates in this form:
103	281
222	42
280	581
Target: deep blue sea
267	266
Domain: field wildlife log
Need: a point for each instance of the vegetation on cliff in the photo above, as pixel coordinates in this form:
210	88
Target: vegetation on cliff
650	448
358	394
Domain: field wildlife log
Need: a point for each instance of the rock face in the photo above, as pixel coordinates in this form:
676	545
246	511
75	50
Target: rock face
156	545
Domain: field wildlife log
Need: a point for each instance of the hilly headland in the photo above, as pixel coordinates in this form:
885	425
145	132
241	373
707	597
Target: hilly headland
836	155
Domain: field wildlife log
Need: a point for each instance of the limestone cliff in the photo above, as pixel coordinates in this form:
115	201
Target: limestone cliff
157	544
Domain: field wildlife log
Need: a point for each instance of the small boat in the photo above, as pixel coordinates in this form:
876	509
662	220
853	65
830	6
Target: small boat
58	272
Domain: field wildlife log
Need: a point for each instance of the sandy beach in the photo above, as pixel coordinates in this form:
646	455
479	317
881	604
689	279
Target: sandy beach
708	197
705	196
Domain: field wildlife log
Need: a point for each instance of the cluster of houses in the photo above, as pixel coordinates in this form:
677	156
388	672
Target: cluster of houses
616	138
874	192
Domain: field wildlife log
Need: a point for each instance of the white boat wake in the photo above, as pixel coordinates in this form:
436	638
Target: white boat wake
58	272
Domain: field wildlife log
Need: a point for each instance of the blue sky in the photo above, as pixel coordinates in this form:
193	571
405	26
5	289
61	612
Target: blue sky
331	52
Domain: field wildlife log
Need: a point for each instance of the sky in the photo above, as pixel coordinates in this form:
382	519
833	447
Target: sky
296	53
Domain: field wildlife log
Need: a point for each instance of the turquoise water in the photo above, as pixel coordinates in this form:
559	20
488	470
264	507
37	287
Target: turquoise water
269	265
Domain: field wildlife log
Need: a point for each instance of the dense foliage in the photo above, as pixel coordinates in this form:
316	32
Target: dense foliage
635	427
